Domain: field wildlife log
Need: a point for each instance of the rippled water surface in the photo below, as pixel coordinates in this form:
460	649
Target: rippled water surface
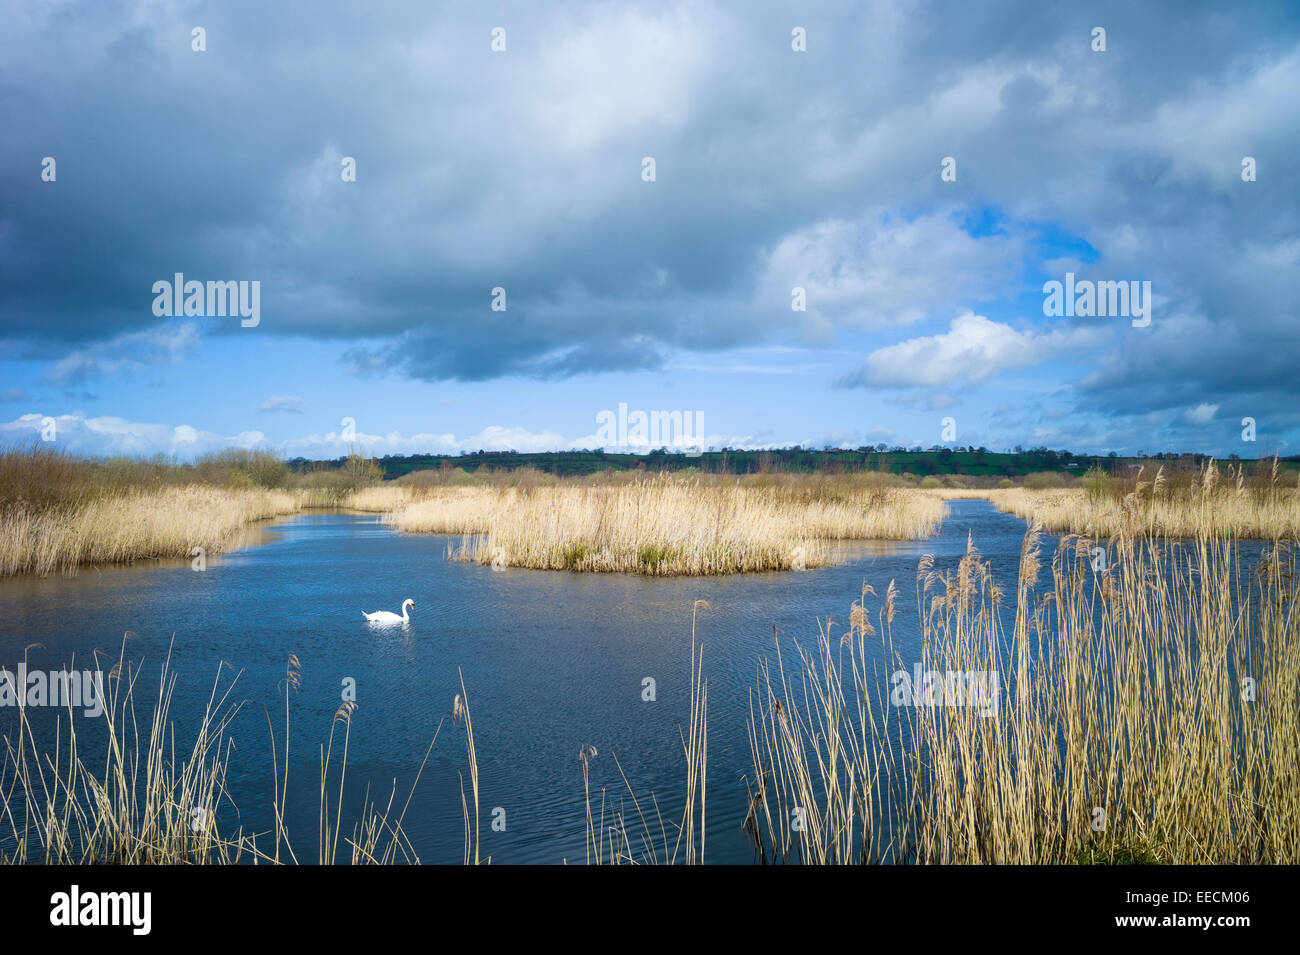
551	661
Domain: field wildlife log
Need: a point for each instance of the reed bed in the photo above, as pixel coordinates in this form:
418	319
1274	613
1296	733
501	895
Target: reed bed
154	801
1143	710
379	499
1223	502
1076	511
665	526
59	510
1147	715
132	525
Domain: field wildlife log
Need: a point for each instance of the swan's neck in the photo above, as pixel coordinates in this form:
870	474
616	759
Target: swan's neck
405	615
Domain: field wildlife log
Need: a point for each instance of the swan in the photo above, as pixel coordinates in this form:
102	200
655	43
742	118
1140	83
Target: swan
387	617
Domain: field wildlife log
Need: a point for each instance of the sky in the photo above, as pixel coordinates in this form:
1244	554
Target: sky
919	171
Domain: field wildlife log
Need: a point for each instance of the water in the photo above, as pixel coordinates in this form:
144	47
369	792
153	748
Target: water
551	661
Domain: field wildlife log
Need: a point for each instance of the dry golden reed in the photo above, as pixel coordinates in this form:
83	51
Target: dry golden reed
59	510
132	525
1219	502
1233	514
662	525
147	800
1148	715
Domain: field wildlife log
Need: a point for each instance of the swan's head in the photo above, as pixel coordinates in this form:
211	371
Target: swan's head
407	601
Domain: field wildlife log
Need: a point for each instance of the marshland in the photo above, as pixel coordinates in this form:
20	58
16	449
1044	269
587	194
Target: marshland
1148	661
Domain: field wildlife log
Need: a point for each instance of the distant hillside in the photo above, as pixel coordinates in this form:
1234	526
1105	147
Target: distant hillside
975	462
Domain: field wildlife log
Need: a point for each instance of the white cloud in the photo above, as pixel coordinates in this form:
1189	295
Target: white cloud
620	73
108	435
885	270
974	348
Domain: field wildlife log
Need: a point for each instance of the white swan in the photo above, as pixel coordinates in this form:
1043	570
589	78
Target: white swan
387	617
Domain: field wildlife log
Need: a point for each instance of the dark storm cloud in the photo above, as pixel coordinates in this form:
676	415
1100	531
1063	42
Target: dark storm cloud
473	357
522	170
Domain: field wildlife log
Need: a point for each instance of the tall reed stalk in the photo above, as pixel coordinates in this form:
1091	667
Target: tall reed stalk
460	710
144	802
1148	713
612	844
